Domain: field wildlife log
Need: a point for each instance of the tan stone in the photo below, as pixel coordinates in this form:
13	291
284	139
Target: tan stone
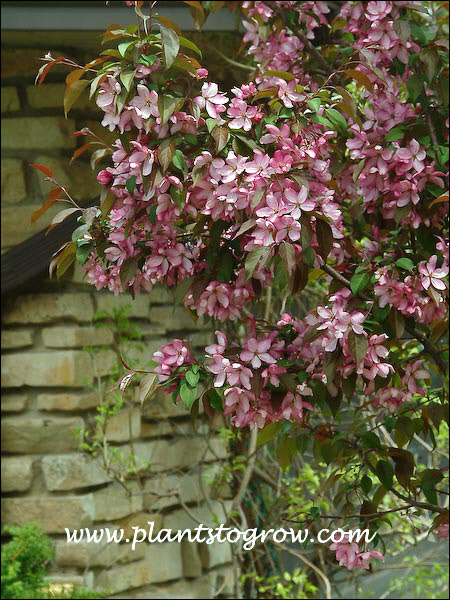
45	308
104	362
103	554
32	435
16	473
14	402
141	520
192	566
161	406
17	339
174	320
77	177
12	180
139	307
199	588
164	561
76	337
69	402
49	369
72	471
161	295
124	426
215	554
9	99
113	502
182	453
51	95
209	515
16	223
52	513
45	133
125	577
153	330
162	428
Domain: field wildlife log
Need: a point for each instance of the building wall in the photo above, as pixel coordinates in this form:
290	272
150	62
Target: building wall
49	379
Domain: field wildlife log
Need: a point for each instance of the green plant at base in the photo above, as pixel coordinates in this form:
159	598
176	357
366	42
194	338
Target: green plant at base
25	560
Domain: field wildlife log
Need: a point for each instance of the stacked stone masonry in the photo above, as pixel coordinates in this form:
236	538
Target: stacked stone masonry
53	355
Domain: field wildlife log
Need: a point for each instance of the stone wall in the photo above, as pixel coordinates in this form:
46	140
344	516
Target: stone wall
49	382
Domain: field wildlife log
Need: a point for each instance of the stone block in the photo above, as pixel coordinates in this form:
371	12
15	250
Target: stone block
192	565
49	369
46	308
76	337
67	402
124	426
52	513
10	100
124	577
103	554
139	307
174	320
12	180
72	471
17	473
164	561
20	338
44	133
32	435
14	402
16	223
113	502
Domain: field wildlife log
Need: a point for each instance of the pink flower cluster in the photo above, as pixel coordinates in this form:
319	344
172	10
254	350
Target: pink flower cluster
349	555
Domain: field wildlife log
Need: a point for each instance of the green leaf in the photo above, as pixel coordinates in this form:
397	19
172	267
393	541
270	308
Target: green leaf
256	259
124	46
394	134
314	104
166	152
127	271
188	44
215	399
281	74
337	118
366	484
405	263
83	253
324	238
288	256
167	105
130	184
192	378
127	78
179	162
152	214
171	45
370	440
414	85
358	282
221	136
358	346
188	395
72	94
285	451
225	270
385	473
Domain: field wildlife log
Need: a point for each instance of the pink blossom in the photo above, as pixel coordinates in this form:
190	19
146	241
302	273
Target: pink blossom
170	357
256	351
431	276
242	114
212	100
442	531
